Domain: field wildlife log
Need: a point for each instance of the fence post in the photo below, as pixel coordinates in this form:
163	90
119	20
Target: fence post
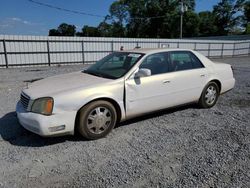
159	44
48	52
249	49
5	54
137	44
195	45
209	48
222	50
83	55
233	50
112	46
178	44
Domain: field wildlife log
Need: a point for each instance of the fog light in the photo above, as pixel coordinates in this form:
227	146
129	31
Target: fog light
57	128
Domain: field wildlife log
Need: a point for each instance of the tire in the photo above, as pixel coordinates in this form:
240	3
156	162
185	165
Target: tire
96	119
209	95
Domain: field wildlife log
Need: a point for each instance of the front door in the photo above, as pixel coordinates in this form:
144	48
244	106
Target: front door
146	94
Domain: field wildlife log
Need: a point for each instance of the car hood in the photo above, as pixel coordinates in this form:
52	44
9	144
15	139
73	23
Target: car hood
56	84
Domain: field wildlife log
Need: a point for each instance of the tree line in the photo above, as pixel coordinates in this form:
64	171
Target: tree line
161	19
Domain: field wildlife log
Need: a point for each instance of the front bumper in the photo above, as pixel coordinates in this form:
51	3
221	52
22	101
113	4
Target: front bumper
56	124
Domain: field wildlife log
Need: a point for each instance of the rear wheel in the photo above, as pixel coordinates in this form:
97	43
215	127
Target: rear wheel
209	95
96	119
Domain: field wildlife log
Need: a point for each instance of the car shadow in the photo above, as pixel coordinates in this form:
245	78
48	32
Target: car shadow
12	132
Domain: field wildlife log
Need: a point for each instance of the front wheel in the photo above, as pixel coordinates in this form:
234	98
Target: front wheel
209	95
96	119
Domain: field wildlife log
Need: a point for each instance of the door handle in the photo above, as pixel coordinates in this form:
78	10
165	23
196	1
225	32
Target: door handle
202	75
166	81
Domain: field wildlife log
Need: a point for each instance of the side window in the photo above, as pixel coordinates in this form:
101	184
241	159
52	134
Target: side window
157	63
181	60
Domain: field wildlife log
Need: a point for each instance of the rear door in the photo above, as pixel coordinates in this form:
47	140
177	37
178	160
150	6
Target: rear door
190	76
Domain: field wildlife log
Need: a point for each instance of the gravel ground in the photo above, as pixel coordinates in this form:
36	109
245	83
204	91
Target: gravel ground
181	147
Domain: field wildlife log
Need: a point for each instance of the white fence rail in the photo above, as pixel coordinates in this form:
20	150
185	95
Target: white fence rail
34	50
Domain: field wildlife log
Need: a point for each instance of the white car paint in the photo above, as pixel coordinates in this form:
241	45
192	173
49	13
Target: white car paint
167	87
72	91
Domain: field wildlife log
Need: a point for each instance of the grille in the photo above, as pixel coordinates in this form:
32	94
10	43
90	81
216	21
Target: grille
25	100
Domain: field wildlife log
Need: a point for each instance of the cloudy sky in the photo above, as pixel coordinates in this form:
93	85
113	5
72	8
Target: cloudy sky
22	17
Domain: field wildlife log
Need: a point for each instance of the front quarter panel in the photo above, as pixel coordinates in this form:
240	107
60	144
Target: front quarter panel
74	100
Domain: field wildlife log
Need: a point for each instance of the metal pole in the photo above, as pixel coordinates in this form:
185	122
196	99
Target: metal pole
222	50
48	52
83	55
181	26
181	21
5	54
112	46
209	47
234	50
249	49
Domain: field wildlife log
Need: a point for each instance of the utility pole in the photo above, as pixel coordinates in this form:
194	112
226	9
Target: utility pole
181	21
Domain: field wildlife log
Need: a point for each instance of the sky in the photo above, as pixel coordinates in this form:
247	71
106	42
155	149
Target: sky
22	17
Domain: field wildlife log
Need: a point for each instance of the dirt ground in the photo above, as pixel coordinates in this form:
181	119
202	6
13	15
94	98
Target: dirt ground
180	147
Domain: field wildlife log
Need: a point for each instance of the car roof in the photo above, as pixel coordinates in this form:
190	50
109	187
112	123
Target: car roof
154	50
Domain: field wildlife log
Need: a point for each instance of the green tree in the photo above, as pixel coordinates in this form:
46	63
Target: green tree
207	25
191	23
189	3
227	15
118	17
140	25
118	12
105	29
246	18
63	30
54	32
247	30
149	18
171	25
161	19
247	11
88	31
117	30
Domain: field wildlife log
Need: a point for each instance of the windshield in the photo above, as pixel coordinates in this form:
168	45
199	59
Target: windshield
114	65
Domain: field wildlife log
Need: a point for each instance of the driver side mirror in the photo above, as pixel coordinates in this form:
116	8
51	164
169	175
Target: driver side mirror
142	73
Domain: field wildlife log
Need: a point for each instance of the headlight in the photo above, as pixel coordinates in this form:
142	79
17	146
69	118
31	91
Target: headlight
43	106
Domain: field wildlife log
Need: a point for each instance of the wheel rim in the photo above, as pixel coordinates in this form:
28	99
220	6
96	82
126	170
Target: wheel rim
210	95
99	120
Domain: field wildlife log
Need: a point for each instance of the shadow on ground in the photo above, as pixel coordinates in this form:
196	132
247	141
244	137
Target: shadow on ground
12	132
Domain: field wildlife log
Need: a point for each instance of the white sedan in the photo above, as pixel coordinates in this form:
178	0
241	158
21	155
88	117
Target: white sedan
120	86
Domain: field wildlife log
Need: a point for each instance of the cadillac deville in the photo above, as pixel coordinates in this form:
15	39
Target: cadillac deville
120	86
